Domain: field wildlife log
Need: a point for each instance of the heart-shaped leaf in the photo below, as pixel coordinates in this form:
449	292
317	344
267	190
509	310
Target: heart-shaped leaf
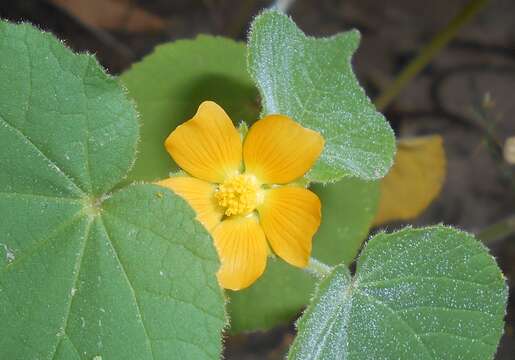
85	272
432	293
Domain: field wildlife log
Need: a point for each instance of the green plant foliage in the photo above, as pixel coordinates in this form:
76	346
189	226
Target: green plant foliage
214	68
169	85
84	272
432	293
348	208
312	81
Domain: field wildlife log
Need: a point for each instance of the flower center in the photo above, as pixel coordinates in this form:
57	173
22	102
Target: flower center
238	194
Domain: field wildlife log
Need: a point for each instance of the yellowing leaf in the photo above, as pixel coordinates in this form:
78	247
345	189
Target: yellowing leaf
414	181
509	150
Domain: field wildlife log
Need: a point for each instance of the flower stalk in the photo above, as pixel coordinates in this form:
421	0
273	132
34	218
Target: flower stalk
317	268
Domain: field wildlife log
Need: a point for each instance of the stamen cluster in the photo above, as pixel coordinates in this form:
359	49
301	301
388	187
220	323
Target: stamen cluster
238	194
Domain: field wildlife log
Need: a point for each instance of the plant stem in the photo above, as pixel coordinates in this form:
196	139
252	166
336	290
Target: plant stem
283	5
317	268
428	52
498	230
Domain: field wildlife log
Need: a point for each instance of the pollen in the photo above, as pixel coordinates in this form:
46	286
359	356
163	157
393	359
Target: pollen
239	194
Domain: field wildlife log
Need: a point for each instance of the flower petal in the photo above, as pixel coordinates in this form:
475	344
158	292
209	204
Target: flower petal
207	146
277	150
199	194
243	251
290	216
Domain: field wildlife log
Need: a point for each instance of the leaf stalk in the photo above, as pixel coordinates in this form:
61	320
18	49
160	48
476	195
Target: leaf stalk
317	268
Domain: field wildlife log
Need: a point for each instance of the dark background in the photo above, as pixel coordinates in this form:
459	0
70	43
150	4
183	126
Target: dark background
466	93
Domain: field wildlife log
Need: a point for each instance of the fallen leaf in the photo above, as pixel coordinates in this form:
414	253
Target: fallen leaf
414	181
112	15
509	150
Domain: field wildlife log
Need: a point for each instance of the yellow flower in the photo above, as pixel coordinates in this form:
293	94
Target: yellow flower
242	192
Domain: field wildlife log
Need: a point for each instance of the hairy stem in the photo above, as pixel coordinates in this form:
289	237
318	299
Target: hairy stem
317	268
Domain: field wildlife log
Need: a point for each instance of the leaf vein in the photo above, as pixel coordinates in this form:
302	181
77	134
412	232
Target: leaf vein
39	244
395	314
124	272
54	166
77	268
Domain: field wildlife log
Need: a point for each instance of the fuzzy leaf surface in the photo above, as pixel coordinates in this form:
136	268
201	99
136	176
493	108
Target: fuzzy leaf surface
311	80
431	293
86	272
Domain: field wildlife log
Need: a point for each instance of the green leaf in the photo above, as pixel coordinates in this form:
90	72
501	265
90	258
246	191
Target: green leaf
432	293
215	68
311	80
348	208
86	273
169	85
